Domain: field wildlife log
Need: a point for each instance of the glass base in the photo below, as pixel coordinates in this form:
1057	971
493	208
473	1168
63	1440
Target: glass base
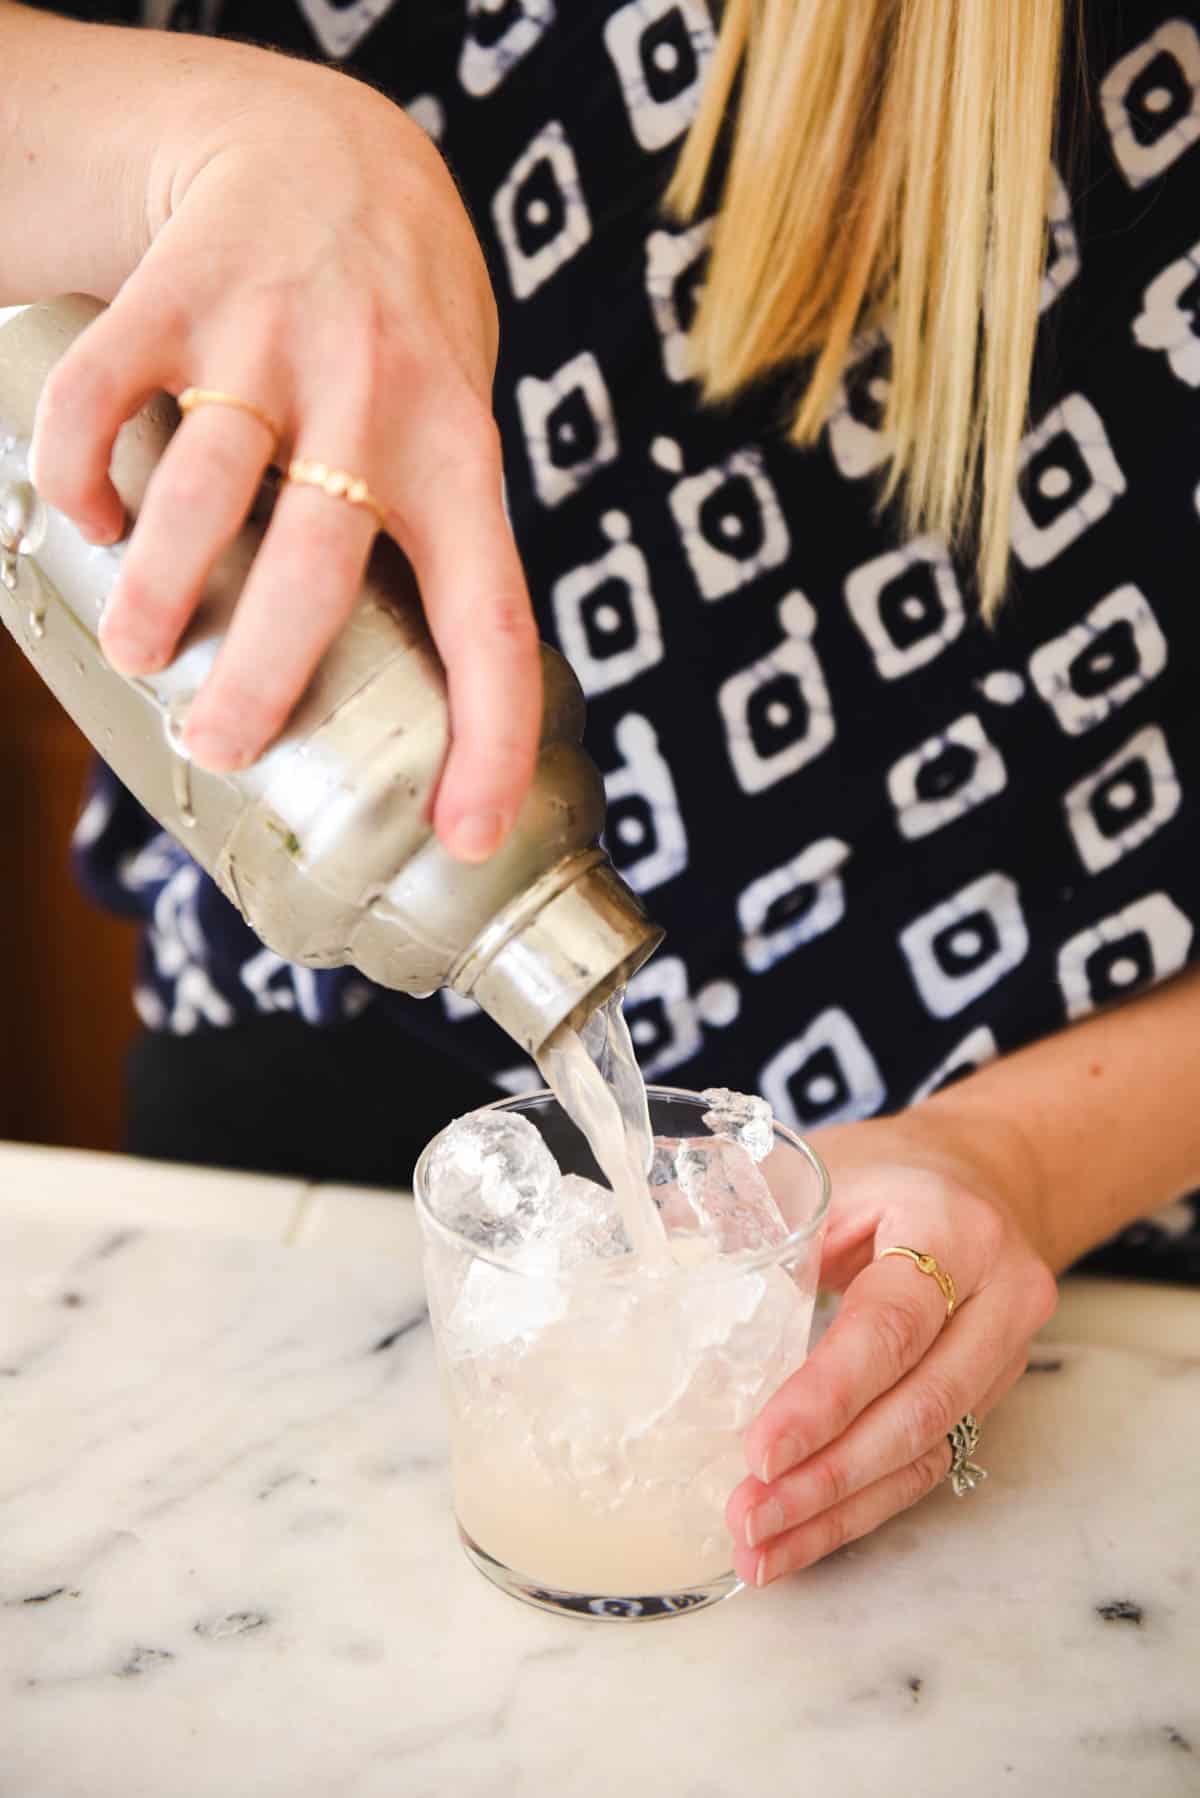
642	1608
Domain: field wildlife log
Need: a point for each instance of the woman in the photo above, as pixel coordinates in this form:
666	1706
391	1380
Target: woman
905	860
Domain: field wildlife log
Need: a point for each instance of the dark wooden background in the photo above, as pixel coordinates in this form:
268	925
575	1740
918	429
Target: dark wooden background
66	974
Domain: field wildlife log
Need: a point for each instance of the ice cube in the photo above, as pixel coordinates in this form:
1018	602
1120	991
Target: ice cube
497	1308
679	1215
742	1118
587	1223
492	1179
728	1196
741	1334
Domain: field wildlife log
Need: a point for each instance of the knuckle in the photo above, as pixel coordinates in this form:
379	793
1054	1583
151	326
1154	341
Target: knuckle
158	298
77	415
466	453
316	553
409	337
931	1470
933	1411
735	1512
180	493
1042	1295
989	1230
64	489
464	415
842	1401
58	388
909	1486
477	427
363	323
61	480
899	1334
189	484
512	620
920	1477
834	1530
367	368
830	1482
82	383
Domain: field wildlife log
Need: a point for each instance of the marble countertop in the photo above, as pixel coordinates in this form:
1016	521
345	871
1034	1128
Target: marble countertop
228	1567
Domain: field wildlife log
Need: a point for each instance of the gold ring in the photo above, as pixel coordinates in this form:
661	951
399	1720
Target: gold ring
964	1475
337	483
191	397
929	1266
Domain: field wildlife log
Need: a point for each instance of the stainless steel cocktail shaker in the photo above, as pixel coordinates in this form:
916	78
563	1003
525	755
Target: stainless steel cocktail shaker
323	844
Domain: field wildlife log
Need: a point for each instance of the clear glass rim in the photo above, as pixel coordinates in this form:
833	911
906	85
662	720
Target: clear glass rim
724	1267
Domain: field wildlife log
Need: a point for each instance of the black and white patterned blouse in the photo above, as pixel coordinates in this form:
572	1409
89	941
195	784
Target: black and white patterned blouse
887	843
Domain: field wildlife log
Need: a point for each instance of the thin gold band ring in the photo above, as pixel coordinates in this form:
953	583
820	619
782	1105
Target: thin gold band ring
929	1266
191	397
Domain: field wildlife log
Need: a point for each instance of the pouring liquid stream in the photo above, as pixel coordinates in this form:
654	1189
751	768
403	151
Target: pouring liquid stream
594	1075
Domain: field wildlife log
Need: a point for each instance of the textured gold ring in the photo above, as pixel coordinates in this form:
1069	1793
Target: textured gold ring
337	483
929	1266
191	397
964	1474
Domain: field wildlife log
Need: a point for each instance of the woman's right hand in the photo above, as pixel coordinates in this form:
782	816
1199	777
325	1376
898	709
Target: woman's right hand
308	252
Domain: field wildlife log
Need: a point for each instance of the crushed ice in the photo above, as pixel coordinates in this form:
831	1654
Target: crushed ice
741	1118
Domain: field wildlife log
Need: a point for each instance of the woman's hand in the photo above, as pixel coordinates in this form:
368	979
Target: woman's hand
859	1432
307	251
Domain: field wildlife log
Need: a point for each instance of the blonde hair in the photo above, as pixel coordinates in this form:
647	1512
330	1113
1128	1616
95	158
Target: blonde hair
890	167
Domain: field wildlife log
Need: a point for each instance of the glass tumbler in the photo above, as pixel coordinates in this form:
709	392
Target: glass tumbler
597	1415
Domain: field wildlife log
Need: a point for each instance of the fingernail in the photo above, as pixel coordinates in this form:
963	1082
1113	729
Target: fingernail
475	837
102	532
760	1572
214	751
130	655
784	1454
767	1521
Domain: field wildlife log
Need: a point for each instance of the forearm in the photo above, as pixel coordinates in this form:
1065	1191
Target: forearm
98	125
1090	1128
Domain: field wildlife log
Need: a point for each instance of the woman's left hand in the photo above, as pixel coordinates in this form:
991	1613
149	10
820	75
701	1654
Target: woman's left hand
860	1431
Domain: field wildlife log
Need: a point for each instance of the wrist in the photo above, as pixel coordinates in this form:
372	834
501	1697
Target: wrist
971	1146
138	101
271	116
226	100
987	1149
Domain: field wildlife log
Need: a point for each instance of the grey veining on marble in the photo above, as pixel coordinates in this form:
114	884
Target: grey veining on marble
228	1570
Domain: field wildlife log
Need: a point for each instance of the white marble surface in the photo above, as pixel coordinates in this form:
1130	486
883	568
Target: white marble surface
228	1569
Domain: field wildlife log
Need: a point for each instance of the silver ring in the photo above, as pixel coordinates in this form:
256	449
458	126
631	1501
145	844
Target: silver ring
964	1475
